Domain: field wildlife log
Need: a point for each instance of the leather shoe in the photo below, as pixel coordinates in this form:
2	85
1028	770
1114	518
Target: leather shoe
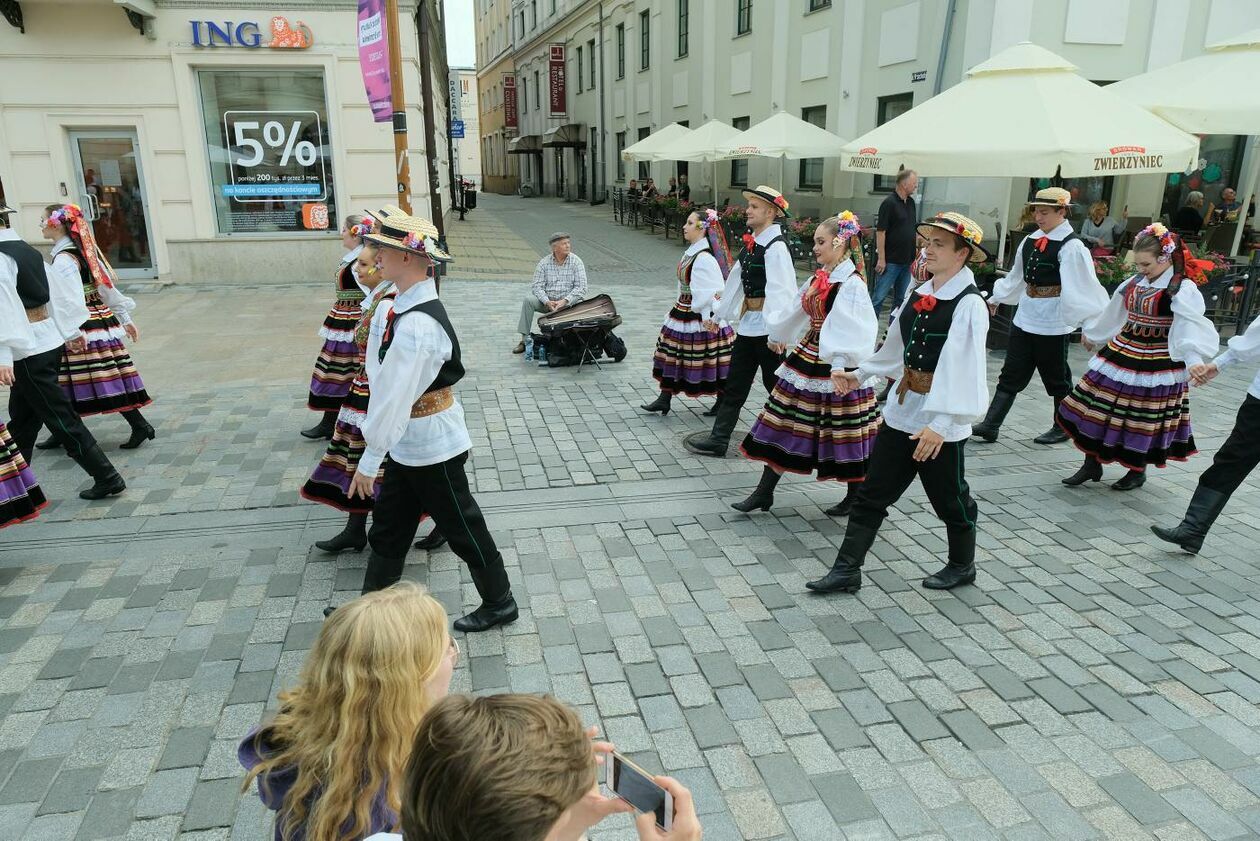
487	616
702	445
433	540
1090	471
520	347
328	611
139	434
837	581
1053	435
950	577
354	541
49	443
101	488
712	411
1130	481
323	429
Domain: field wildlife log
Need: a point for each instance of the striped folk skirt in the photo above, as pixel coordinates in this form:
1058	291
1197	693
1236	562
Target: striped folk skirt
1132	406
806	427
338	360
20	496
101	378
330	480
689	358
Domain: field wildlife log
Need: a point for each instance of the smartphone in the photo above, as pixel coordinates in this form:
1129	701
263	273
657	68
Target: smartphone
636	786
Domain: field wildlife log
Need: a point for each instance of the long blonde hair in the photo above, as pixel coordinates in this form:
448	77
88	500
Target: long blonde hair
347	726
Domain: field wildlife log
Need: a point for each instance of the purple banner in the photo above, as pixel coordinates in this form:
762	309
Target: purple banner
374	58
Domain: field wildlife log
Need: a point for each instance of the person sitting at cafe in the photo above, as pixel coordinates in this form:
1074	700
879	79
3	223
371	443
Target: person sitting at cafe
559	280
673	187
633	190
1189	217
1227	209
1100	231
684	189
650	191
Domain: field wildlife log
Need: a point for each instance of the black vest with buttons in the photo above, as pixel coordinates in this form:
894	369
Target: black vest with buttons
452	370
32	282
1041	268
752	267
924	333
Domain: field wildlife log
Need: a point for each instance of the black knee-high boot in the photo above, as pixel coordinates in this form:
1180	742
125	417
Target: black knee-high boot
353	536
141	429
1090	471
323	429
845	575
763	496
844	506
660	404
1206	505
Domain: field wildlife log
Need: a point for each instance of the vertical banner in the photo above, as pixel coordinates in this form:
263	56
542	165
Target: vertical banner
374	58
555	73
510	119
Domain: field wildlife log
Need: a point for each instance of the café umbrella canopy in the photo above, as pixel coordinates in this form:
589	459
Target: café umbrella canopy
704	144
650	148
1024	113
784	136
1214	93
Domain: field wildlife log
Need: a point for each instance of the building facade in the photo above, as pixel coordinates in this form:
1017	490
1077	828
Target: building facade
496	95
468	147
206	139
846	66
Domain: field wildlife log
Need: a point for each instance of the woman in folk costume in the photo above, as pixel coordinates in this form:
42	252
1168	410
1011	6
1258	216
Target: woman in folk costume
806	426
1132	405
101	378
330	481
338	359
20	495
692	357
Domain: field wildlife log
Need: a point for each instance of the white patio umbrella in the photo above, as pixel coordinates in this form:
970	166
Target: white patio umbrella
783	136
703	144
649	148
1214	93
1024	113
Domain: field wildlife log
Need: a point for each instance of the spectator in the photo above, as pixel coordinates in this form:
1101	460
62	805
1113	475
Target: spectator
894	241
515	768
1101	231
1227	210
559	280
684	189
1189	217
330	763
650	191
633	190
673	187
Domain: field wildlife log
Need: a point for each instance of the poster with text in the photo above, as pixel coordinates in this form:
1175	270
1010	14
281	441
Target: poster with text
374	59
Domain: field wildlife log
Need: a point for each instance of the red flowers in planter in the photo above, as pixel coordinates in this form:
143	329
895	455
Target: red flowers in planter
926	303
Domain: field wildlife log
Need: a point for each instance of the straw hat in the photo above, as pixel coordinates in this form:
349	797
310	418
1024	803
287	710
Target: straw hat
402	232
770	195
1052	197
962	227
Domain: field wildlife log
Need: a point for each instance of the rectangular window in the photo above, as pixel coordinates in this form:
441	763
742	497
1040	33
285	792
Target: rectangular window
743	17
621	164
537	92
683	15
811	174
579	71
590	49
621	51
644	171
645	40
271	168
739	166
890	107
533	14
553	6
524	96
815	5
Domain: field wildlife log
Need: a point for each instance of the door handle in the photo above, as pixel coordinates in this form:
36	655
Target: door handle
93	207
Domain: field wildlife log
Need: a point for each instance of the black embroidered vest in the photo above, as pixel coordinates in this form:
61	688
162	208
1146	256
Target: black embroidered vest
924	333
452	370
1041	268
752	267
32	282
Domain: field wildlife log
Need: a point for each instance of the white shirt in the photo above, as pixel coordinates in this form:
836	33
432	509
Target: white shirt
960	390
66	308
706	278
66	268
780	288
1244	348
848	334
350	259
1083	297
415	356
1192	337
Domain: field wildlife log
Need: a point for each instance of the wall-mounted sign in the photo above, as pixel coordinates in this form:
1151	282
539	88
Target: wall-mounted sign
510	119
555	74
457	129
918	76
454	97
374	59
282	35
274	155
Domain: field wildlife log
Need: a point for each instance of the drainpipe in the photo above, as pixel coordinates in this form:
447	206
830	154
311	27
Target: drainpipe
603	117
939	81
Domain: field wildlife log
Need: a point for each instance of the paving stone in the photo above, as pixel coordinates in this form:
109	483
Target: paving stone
213	804
1137	798
30	780
109	813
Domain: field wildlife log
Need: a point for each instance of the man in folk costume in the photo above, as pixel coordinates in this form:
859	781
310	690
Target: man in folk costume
1054	285
935	350
416	428
763	278
36	398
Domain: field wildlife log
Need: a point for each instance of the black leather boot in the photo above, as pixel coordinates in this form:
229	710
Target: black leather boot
49	443
1090	471
353	536
704	444
1130	481
845	575
961	568
763	496
381	572
323	429
844	506
1205	506
987	429
433	540
106	481
712	411
660	404
497	605
141	430
1055	434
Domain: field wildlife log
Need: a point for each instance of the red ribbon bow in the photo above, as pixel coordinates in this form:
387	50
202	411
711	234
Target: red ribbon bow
926	303
822	280
749	241
1041	243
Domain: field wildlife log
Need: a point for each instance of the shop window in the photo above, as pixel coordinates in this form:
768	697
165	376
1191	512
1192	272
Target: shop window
270	151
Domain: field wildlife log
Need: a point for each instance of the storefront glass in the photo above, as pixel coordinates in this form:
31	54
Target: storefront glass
270	151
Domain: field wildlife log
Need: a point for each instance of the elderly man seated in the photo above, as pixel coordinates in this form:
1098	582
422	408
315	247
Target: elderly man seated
559	280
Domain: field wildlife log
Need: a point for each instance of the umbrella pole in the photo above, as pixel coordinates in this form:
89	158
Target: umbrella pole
782	159
1003	217
1249	190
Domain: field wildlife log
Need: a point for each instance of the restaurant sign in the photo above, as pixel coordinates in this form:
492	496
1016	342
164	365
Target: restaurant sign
1128	157
555	74
510	118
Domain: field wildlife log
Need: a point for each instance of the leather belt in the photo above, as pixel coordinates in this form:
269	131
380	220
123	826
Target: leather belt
1043	291
37	314
432	402
753	305
920	382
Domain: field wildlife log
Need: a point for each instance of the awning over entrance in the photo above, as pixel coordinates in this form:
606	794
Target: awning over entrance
525	144
566	135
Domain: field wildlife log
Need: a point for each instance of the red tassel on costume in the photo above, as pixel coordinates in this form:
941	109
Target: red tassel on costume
926	303
1041	243
749	241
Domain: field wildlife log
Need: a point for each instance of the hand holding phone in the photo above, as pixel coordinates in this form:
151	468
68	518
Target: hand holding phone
637	787
684	826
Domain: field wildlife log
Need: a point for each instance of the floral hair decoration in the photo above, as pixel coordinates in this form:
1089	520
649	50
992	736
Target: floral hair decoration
417	242
708	218
847	225
65	215
1167	240
80	230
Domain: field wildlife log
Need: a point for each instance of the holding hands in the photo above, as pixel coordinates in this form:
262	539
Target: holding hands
1203	373
844	382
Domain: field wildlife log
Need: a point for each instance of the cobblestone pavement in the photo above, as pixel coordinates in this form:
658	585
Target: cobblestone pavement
1092	684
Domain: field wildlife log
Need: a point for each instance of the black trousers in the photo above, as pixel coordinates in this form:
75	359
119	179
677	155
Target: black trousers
891	471
1240	453
1029	352
36	399
748	354
441	491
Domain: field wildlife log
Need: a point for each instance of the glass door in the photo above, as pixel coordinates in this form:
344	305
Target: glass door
112	194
